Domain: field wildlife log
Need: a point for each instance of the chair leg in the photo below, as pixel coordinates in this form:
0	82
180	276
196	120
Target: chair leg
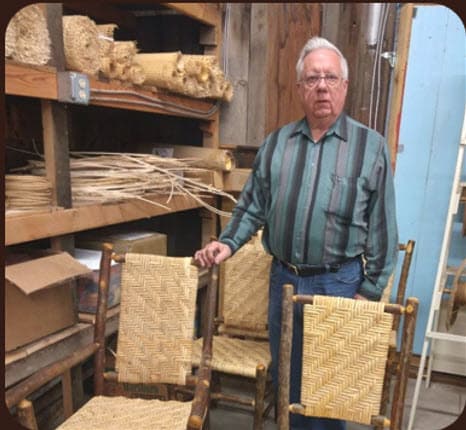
392	362
26	415
259	403
409	327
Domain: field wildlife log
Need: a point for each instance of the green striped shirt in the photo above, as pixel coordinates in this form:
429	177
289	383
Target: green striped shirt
322	202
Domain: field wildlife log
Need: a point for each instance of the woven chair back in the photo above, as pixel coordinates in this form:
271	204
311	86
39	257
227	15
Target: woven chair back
345	348
244	285
156	328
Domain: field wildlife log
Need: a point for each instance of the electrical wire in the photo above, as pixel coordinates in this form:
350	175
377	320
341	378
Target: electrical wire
226	39
150	102
379	60
376	70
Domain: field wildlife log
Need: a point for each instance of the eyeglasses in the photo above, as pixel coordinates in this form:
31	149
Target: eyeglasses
313	80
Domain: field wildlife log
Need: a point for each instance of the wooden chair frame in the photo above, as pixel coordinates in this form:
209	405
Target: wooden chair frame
284	407
262	400
17	395
393	352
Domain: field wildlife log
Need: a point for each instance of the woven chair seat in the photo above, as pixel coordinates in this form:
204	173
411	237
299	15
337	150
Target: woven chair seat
115	413
235	356
344	356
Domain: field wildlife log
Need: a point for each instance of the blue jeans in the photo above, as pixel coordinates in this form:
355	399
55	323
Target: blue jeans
343	283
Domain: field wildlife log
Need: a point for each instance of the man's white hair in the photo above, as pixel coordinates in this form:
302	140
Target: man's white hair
320	43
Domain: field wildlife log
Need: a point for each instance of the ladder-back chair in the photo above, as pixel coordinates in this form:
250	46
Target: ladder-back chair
155	338
345	347
241	347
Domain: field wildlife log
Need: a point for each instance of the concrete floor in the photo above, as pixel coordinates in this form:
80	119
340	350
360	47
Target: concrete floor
438	406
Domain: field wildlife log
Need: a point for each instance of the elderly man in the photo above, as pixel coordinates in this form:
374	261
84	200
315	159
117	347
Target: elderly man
322	189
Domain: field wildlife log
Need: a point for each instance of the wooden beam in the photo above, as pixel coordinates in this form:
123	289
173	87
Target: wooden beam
53	13
56	151
25	228
234	115
207	13
396	105
31	81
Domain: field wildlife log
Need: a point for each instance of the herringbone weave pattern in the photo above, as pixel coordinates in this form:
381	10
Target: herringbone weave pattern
235	356
158	296
112	413
345	348
245	280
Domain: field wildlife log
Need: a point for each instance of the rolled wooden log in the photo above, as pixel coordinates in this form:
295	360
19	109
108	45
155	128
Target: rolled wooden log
206	158
27	38
192	75
160	68
81	44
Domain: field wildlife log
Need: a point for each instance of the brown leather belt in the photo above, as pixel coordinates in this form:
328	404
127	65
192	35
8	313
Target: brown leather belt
312	270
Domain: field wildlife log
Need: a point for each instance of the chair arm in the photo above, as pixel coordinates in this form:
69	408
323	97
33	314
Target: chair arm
20	391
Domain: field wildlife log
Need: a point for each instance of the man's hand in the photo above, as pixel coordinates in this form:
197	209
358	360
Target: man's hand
213	253
359	297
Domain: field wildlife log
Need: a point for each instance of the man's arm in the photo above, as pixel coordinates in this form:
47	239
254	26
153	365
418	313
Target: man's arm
249	213
382	239
248	216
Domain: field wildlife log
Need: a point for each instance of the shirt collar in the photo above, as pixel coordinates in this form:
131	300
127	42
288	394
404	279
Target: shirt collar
339	128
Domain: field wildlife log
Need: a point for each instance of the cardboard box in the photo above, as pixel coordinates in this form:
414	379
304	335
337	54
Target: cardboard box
88	286
140	242
39	297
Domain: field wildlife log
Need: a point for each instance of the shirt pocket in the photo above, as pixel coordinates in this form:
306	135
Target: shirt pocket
348	198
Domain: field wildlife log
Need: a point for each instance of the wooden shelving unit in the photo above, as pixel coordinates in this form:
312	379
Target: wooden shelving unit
41	82
39	225
63	219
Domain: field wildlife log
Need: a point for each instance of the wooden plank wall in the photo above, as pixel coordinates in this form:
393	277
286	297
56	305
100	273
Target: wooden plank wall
345	24
263	41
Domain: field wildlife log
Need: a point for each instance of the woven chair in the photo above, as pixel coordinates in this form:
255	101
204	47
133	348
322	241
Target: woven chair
345	347
155	338
241	347
394	350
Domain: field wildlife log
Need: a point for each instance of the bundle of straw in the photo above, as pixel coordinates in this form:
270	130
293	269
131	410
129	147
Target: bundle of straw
101	177
116	57
27	192
27	38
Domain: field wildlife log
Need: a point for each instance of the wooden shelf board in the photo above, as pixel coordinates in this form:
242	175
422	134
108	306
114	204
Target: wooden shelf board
22	362
136	99
207	13
34	226
30	81
41	82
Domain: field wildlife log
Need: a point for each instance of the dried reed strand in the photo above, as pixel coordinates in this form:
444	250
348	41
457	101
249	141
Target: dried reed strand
99	177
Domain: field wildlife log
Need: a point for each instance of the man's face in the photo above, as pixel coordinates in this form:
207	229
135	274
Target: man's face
322	99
